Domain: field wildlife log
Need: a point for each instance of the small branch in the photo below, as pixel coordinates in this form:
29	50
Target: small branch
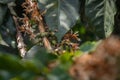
42	30
21	45
32	10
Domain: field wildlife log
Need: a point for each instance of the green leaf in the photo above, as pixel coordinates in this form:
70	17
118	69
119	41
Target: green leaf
100	16
6	1
11	64
8	50
4	75
61	15
89	46
41	54
3	10
13	68
65	58
60	72
8	30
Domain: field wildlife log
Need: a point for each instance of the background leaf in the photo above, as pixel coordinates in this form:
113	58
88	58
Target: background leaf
61	15
40	53
6	1
3	10
89	46
8	31
10	64
100	16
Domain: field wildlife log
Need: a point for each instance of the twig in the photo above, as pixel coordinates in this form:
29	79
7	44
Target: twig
21	45
20	42
32	10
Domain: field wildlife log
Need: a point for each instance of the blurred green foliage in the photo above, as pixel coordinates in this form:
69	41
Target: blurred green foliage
42	65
